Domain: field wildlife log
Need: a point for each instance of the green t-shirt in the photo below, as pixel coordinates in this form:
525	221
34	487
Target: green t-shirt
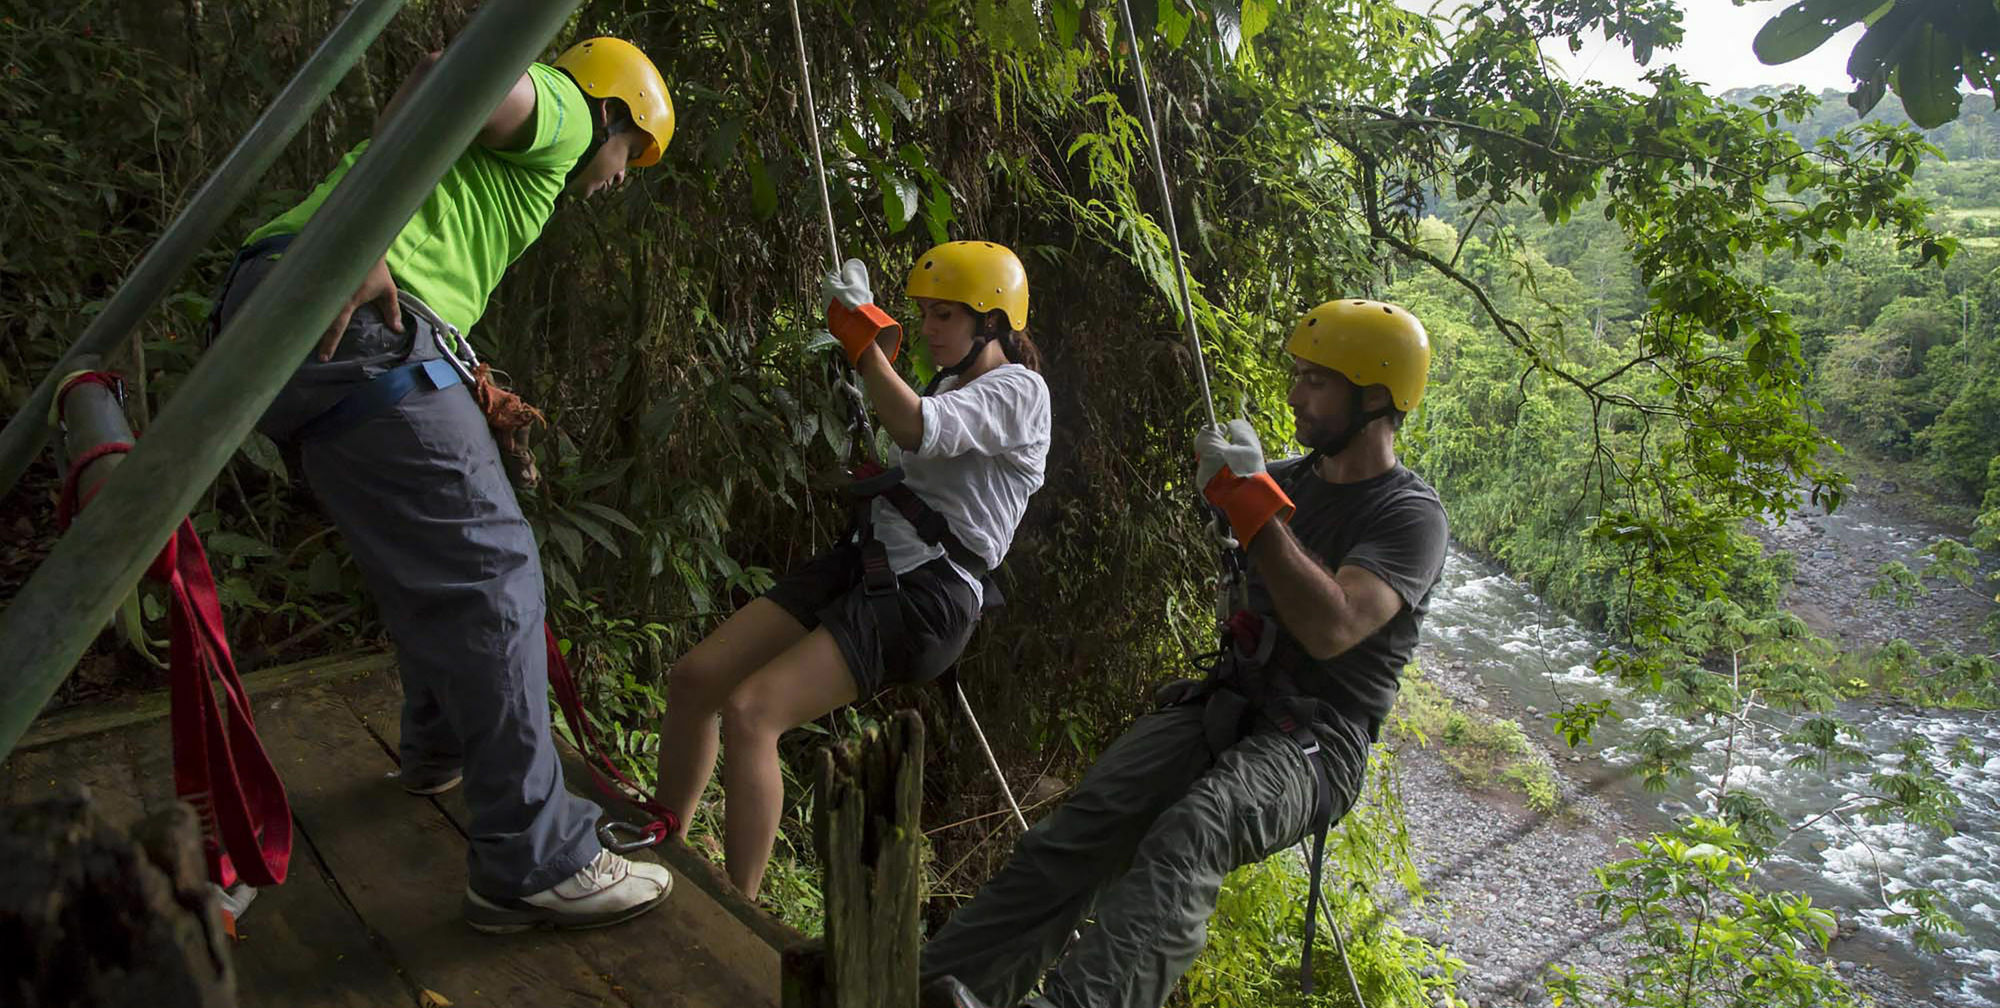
488	208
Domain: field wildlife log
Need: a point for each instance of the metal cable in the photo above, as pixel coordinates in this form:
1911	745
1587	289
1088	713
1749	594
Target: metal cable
812	133
1167	209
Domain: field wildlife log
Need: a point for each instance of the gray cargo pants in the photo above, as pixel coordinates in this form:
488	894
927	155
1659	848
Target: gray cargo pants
1145	841
423	502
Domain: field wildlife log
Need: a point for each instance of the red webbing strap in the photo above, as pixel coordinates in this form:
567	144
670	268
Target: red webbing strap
68	502
610	780
220	767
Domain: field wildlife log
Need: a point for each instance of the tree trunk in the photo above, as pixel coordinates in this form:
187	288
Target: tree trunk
92	917
871	855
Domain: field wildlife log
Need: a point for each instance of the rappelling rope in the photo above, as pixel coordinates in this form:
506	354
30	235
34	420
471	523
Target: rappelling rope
966	706
1167	210
812	133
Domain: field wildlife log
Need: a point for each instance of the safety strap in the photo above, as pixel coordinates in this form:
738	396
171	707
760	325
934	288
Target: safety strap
377	395
1233	697
220	767
609	779
871	480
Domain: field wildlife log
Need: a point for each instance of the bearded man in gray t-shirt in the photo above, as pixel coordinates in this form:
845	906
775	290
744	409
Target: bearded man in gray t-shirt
1343	546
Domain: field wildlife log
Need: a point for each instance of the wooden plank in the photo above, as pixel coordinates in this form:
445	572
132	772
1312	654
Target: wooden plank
690	951
103	764
295	936
101	717
401	864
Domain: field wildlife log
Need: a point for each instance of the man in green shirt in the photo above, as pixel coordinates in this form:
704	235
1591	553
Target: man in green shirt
400	456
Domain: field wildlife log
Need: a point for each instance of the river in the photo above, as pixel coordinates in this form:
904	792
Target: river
1521	653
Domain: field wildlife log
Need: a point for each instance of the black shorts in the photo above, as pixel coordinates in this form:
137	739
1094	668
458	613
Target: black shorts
939	611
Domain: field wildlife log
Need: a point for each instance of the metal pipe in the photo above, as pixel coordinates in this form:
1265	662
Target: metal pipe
75	590
162	265
91	416
1167	208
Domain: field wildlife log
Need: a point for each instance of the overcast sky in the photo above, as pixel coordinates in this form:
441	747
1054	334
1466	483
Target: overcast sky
1715	51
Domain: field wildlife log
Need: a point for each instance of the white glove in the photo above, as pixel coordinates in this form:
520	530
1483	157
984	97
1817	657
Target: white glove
1237	448
849	285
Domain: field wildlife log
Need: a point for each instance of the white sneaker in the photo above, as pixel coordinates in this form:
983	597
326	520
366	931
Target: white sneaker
608	890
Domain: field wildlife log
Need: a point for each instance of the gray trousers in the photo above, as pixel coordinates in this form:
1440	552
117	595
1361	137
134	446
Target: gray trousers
425	506
1144	842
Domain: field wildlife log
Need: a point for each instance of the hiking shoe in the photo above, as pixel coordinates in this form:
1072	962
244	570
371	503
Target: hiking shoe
435	783
608	890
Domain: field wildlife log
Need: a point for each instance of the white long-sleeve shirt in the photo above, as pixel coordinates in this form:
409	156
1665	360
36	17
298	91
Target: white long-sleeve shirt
981	457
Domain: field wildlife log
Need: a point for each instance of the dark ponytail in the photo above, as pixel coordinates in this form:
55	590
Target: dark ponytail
1016	344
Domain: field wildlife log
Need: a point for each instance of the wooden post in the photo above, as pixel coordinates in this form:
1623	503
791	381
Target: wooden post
865	828
92	917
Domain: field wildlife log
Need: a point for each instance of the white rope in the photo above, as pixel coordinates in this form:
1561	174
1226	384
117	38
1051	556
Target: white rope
1167	207
812	132
966	706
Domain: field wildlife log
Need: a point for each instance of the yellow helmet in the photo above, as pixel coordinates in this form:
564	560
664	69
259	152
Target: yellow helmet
1371	342
608	67
978	273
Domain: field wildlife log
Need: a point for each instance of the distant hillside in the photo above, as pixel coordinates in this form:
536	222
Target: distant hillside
1974	134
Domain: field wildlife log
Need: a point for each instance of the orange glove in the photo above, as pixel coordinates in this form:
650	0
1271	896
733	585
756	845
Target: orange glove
1250	501
855	328
851	314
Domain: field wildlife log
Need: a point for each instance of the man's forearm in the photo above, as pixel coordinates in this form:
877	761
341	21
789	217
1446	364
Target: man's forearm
1310	603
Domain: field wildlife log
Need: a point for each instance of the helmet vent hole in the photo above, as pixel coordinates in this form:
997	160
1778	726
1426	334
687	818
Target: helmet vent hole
1311	322
1386	310
1360	302
928	263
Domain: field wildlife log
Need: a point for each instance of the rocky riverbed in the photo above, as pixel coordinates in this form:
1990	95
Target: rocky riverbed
1511	887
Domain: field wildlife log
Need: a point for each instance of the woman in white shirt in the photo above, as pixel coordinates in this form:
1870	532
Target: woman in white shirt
832	631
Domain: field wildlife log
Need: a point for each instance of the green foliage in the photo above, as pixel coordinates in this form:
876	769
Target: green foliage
1482	751
671	330
1712	937
1921	48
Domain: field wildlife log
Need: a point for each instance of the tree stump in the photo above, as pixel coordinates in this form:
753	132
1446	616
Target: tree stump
92	917
865	827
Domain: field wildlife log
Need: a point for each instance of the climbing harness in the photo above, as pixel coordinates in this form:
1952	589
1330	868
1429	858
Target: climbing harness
1251	685
219	764
1245	684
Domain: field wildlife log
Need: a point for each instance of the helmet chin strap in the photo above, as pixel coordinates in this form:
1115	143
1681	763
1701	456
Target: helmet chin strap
979	341
1358	420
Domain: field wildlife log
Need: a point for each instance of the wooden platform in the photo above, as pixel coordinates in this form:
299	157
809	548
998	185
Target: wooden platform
370	913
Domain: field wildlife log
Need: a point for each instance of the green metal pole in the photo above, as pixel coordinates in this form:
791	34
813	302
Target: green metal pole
48	625
168	258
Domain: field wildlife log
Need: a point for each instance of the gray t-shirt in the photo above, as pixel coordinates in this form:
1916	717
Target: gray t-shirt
1392	526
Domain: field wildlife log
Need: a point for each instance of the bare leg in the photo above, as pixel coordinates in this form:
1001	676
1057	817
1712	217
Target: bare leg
809	679
699	684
